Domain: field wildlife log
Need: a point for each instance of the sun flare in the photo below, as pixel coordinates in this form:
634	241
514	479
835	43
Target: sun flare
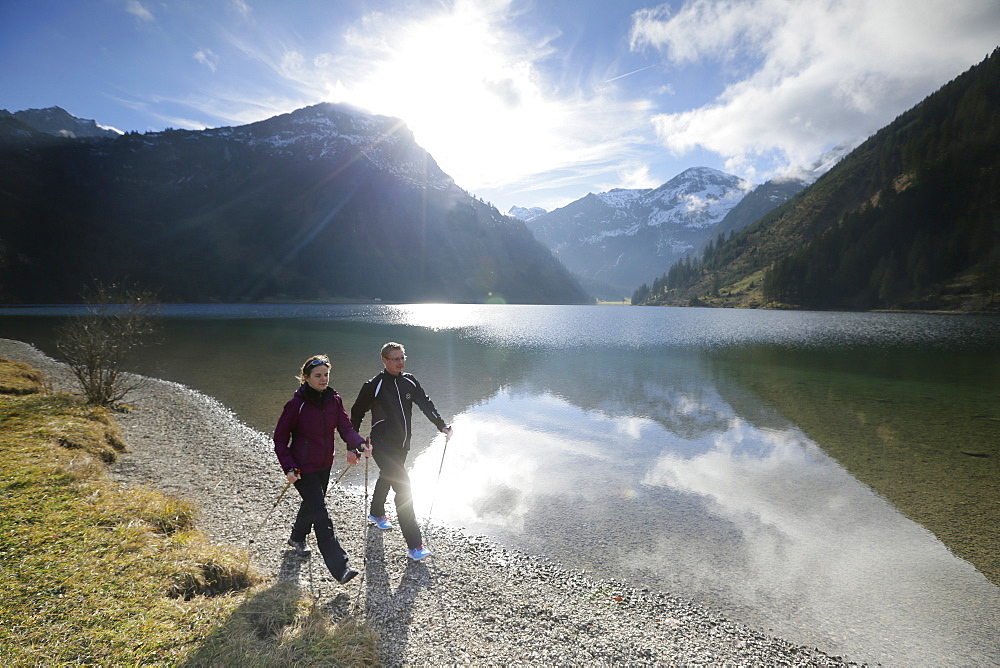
465	87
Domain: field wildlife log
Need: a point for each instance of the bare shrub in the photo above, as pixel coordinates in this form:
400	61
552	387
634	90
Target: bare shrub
96	345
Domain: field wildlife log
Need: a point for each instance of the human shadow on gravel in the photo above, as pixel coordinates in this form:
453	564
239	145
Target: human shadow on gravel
311	571
389	611
290	567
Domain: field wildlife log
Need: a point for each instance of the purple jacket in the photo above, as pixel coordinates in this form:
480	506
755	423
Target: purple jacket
304	435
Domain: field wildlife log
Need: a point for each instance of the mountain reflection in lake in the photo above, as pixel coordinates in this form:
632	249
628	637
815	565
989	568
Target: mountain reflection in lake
684	450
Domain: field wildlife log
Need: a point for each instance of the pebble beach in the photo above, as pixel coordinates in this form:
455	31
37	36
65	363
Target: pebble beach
472	602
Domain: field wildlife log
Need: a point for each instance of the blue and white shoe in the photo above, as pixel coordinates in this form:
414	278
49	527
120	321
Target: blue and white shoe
418	553
380	522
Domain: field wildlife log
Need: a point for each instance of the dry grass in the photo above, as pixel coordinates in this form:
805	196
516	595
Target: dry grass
19	378
91	573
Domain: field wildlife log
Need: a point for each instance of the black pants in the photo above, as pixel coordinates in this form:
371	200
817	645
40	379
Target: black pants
314	516
392	473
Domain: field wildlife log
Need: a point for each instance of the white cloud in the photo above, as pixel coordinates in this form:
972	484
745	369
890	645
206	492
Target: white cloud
635	176
242	8
207	58
810	73
136	9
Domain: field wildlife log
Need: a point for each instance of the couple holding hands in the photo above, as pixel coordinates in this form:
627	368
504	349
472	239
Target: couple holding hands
304	444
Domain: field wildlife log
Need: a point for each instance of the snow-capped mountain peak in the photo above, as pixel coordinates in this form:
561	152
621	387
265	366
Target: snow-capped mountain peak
697	197
622	197
626	236
526	214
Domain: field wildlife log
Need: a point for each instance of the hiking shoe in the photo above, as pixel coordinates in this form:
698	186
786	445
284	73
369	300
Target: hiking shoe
418	553
348	575
300	546
380	522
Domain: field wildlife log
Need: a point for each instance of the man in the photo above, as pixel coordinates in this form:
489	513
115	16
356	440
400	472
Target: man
390	397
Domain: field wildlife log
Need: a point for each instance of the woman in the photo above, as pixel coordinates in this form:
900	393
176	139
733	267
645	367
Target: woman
304	444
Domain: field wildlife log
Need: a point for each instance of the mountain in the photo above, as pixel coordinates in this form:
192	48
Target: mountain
13	131
910	219
777	191
59	122
622	237
322	203
758	202
524	214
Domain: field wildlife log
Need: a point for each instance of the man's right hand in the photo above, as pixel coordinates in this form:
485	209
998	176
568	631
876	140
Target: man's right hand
293	475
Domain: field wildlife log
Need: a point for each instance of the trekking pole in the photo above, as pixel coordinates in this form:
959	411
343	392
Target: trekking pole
364	530
273	506
430	511
246	566
346	469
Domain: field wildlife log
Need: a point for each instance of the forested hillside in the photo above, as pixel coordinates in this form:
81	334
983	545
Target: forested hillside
324	203
909	220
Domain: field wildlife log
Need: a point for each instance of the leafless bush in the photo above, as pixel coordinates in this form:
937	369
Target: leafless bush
96	345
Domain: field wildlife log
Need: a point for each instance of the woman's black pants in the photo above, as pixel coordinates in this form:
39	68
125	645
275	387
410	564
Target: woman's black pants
314	516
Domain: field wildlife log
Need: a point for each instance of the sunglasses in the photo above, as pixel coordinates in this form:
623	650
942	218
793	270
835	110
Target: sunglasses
319	361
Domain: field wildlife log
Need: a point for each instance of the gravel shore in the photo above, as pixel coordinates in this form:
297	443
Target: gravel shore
471	602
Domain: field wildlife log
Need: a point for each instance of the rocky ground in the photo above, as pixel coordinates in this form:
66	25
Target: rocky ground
471	602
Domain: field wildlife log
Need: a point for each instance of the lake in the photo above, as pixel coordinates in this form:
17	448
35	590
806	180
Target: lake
831	478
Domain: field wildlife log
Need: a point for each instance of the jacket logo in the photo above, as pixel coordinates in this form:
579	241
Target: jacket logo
407	396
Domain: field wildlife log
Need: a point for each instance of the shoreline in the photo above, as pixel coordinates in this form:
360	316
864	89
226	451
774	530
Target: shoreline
472	601
596	302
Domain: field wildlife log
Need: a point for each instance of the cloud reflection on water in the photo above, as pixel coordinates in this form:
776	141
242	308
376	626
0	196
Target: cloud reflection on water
758	520
815	541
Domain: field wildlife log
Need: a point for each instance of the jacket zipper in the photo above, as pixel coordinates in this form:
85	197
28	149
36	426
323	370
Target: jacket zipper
322	410
402	413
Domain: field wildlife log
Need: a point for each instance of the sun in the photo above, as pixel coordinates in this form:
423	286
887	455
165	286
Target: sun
467	90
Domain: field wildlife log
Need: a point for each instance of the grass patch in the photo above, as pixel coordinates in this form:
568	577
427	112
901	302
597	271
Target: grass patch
63	419
277	626
94	574
19	378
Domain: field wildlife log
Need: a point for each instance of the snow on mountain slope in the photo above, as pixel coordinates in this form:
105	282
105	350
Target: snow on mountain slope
526	214
628	236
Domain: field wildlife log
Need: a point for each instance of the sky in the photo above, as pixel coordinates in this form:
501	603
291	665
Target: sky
522	102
